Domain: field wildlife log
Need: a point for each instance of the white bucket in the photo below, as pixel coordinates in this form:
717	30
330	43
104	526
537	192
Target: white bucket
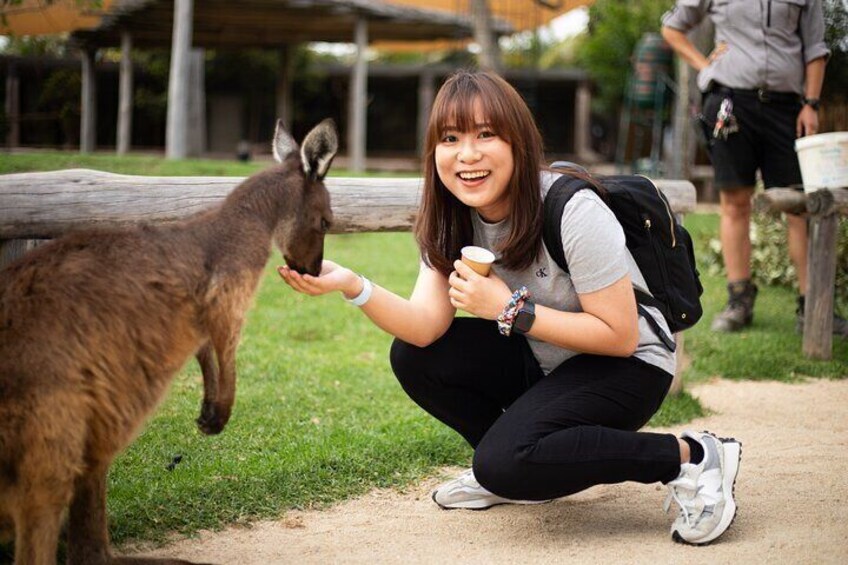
824	160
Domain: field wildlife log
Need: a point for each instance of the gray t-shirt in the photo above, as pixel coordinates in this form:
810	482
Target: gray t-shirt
594	246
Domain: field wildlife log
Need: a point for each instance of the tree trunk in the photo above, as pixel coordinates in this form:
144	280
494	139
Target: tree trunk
490	53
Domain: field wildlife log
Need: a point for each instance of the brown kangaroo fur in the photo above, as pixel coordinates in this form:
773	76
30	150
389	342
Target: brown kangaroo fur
94	326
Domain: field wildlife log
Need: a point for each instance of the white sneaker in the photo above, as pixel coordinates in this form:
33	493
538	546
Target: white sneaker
465	492
704	492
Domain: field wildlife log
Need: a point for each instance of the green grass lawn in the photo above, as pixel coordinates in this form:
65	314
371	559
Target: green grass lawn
149	165
770	349
319	416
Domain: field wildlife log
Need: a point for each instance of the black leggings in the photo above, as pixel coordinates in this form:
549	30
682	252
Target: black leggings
537	437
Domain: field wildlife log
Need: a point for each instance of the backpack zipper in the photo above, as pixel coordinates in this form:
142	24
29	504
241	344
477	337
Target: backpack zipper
667	211
658	256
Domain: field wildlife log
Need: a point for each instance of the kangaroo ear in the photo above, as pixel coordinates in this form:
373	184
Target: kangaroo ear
319	148
284	144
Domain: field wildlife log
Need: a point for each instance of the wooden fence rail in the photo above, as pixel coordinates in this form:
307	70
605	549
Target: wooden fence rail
824	208
47	205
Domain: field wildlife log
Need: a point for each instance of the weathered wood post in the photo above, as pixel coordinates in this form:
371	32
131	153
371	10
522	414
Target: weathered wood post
285	78
824	207
13	106
125	96
176	128
357	136
88	112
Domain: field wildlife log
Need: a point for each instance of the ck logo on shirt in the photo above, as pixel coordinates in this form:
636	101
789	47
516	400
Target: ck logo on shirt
542	273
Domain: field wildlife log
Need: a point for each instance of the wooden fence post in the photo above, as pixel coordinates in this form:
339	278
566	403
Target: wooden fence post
825	207
821	276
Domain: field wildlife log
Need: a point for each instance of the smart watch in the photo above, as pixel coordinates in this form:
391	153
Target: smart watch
812	103
525	317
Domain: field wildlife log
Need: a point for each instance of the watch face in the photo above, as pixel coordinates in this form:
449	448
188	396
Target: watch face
525	318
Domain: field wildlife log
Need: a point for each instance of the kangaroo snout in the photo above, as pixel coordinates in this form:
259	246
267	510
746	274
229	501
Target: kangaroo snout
314	267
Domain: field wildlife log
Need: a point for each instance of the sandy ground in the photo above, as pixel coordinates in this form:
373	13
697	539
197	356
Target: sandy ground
792	493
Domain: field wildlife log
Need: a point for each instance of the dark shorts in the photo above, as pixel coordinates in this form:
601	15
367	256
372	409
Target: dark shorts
765	141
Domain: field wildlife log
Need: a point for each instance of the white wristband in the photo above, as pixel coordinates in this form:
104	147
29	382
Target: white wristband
363	297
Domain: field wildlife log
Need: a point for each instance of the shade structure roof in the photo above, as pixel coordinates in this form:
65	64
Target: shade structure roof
42	17
520	14
270	23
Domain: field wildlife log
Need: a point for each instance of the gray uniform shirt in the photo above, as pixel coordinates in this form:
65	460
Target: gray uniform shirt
769	42
594	246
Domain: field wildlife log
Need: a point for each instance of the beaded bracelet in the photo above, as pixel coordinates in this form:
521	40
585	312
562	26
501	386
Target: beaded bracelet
507	317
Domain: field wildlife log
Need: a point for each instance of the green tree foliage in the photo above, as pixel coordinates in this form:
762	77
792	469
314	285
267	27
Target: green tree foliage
836	36
36	46
615	26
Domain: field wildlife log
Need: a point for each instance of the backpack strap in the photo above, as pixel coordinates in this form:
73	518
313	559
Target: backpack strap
557	197
658	331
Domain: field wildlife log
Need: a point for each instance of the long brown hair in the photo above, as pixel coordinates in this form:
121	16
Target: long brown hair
444	226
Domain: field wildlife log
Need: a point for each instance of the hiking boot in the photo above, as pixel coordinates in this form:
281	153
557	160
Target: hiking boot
840	324
704	492
465	492
739	311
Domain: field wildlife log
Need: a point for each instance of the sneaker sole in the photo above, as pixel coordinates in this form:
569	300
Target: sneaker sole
732	449
483	504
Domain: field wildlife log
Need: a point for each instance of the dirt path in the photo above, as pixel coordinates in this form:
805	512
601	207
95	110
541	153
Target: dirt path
792	493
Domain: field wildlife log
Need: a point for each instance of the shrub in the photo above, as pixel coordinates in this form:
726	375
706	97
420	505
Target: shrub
770	264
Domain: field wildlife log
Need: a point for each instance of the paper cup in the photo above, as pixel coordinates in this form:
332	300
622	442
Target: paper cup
478	258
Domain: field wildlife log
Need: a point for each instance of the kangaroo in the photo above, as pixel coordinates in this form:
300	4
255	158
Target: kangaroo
94	326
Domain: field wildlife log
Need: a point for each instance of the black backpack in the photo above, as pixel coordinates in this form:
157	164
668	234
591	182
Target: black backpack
660	245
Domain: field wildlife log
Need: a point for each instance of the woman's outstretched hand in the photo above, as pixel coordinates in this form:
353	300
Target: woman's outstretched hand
484	297
332	277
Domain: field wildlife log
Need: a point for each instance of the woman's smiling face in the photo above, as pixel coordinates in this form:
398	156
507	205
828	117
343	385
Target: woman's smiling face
476	166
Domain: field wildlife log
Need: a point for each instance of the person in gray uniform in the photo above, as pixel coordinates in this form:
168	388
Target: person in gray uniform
554	373
761	87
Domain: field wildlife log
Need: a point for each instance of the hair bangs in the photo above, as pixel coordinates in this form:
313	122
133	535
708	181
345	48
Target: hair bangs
457	105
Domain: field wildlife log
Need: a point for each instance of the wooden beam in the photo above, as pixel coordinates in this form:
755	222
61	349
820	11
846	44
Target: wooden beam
821	277
678	161
13	106
88	114
831	201
285	75
357	135
426	95
791	201
14	248
125	96
47	205
176	132
582	118
781	200
490	53
196	137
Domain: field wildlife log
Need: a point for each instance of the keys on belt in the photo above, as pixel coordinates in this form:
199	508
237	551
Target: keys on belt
725	120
